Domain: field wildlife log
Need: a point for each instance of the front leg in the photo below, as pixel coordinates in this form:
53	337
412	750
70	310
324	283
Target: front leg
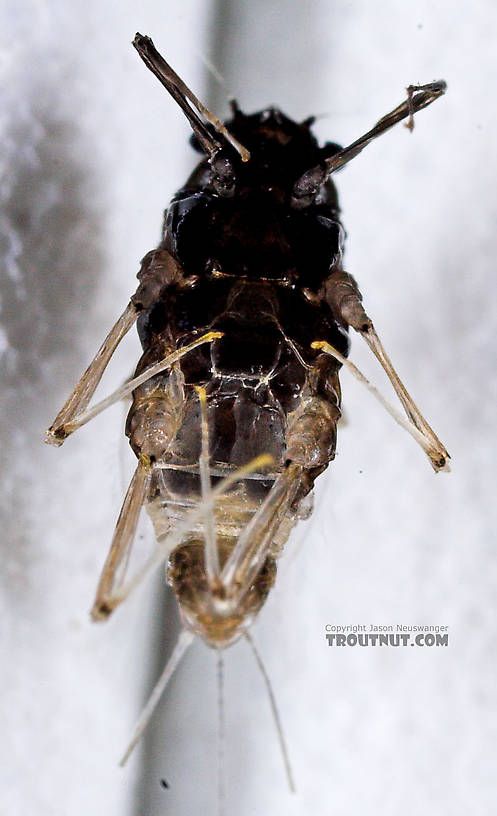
345	300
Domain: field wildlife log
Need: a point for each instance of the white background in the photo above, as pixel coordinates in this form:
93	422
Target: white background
92	150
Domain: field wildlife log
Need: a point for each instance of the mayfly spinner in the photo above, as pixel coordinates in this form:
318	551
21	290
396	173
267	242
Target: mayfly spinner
243	313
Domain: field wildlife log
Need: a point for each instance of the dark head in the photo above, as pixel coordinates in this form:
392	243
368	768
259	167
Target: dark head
267	148
264	150
285	158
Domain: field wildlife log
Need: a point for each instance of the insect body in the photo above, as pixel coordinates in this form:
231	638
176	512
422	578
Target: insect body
244	272
243	314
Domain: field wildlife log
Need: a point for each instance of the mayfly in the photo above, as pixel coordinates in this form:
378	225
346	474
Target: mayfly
243	313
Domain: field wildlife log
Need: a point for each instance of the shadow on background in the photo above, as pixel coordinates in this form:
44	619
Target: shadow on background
50	246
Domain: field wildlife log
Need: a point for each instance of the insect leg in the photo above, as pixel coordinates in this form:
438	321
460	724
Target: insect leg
130	386
396	415
418	97
117	559
431	89
86	386
344	298
176	536
212	568
181	93
311	438
158	268
253	543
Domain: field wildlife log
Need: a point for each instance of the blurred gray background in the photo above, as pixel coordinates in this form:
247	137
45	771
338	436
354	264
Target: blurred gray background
92	150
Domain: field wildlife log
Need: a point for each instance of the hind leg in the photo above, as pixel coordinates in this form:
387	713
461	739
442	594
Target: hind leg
311	442
114	569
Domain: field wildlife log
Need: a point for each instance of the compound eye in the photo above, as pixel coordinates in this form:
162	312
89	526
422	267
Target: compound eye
307	187
223	177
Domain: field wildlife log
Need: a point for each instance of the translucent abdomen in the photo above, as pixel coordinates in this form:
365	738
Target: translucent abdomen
258	384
